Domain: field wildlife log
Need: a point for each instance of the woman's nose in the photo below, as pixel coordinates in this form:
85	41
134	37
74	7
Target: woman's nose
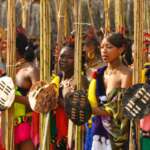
103	50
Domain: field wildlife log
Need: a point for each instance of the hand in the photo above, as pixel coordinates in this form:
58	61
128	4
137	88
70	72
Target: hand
95	110
100	111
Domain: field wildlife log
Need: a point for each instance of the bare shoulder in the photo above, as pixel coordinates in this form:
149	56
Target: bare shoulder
126	77
33	72
126	71
32	68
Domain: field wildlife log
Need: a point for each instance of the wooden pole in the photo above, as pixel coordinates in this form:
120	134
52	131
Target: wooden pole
129	16
89	3
60	21
138	39
78	59
66	19
107	16
45	64
138	58
119	16
146	24
60	15
147	15
24	5
7	116
11	39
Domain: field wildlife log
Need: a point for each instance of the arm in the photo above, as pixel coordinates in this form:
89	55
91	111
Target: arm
22	100
99	111
34	75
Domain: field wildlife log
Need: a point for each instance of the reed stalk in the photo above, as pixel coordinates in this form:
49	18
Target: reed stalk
138	58
119	15
107	16
45	64
78	59
60	16
7	115
24	13
89	4
67	26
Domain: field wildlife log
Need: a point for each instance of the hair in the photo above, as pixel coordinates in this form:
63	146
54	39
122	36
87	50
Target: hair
25	48
127	57
118	40
69	42
21	43
90	38
93	42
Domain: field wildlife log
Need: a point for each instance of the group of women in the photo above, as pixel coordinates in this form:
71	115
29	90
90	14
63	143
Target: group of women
107	61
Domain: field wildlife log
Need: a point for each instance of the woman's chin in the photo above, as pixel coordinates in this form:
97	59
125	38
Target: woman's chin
105	60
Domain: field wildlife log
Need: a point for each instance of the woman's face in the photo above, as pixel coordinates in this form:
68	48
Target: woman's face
109	52
66	60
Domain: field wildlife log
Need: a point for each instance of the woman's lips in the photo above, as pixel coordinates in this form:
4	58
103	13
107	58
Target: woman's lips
62	64
104	57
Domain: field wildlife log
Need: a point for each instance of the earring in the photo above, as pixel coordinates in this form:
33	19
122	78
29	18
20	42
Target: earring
91	54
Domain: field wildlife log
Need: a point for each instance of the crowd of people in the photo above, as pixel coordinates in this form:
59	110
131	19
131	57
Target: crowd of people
107	65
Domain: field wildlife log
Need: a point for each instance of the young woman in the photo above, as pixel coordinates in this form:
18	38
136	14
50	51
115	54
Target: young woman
67	85
27	73
111	80
93	61
66	64
92	54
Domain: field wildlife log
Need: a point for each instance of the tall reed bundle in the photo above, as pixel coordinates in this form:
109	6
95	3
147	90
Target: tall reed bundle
77	63
67	27
45	65
147	15
78	41
138	39
119	15
89	3
57	3
138	60
60	22
107	16
24	5
7	116
146	24
60	16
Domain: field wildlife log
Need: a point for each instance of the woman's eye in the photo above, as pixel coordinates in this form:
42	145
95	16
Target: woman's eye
69	57
109	47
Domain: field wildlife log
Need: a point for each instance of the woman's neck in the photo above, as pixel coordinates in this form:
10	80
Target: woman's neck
114	64
68	75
